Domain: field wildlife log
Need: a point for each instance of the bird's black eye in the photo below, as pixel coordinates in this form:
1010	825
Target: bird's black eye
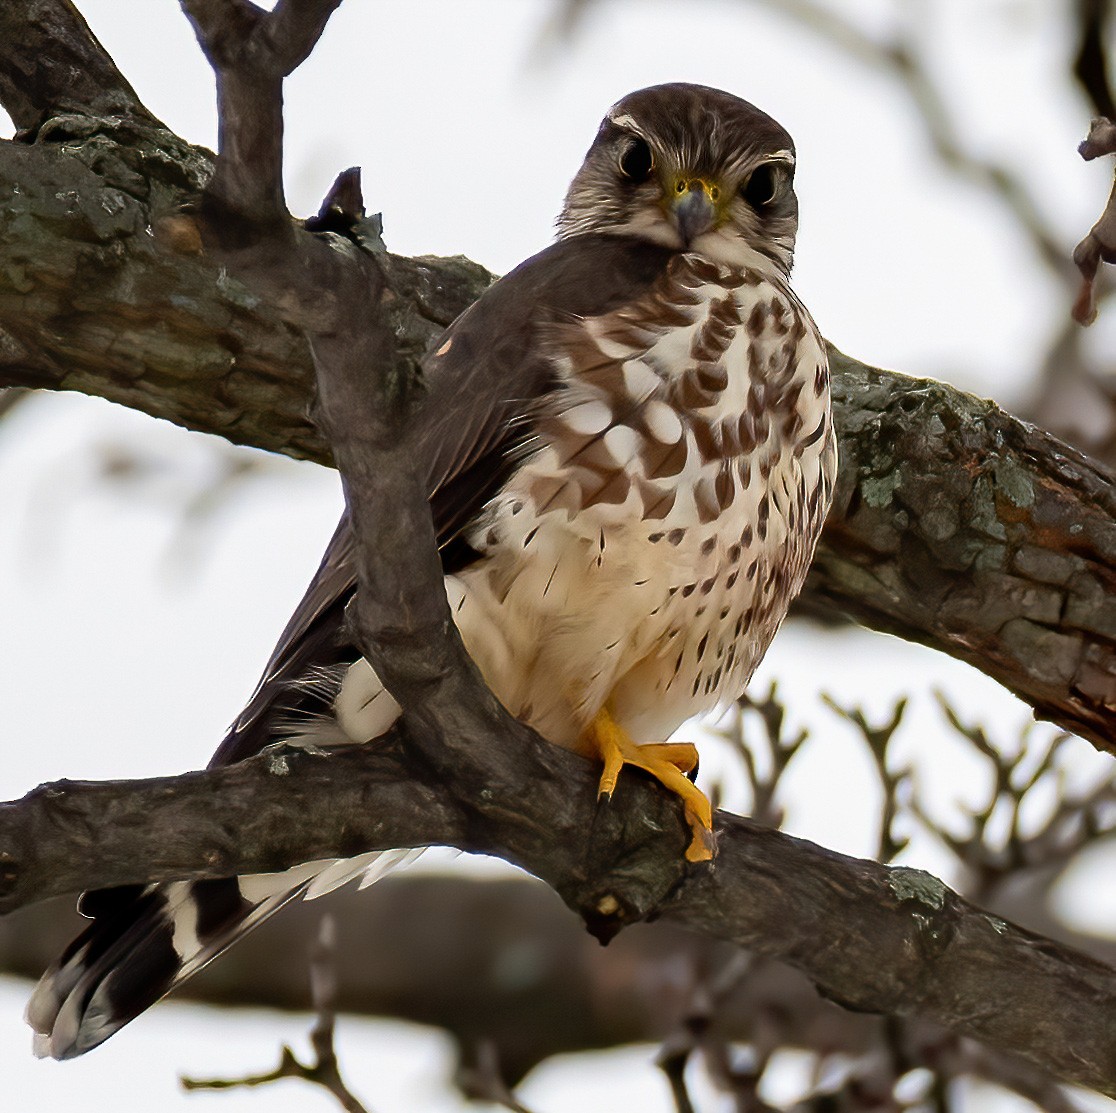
636	160
763	185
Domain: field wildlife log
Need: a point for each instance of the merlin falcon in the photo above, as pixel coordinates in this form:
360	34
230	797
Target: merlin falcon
621	535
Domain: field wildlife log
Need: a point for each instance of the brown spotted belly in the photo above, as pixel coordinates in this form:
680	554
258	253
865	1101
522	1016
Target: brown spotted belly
657	624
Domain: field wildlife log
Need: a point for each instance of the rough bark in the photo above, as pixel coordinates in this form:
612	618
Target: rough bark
51	64
497	962
961	527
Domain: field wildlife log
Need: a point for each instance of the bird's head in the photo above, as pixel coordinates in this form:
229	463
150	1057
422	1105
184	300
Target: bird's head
691	168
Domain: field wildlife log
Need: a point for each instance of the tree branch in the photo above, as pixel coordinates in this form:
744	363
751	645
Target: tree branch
333	287
51	65
872	938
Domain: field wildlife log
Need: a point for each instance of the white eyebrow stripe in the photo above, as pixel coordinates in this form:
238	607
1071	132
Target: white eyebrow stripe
781	156
623	121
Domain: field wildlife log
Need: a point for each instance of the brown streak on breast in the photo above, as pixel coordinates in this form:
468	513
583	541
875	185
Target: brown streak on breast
791	425
689	393
712	377
705	500
821	379
590	453
746	432
725	486
550	493
657	503
779	321
668	461
611	489
788	397
756	319
707	440
729	438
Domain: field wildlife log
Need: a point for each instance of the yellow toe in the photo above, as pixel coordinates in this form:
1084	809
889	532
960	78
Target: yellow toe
667	762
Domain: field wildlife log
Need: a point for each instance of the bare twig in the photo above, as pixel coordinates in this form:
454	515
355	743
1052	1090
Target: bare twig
896	784
764	778
1100	243
324	1070
1076	819
695	1032
481	1079
252	51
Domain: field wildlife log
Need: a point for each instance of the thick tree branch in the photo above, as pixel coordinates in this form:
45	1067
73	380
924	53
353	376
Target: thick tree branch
870	937
503	965
333	287
961	527
50	65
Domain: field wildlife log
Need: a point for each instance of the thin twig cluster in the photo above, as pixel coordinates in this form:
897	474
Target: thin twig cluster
908	1065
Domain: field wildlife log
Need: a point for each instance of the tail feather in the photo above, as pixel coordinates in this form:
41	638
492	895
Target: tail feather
144	942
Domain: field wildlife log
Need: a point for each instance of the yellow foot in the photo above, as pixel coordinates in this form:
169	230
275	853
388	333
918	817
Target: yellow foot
667	762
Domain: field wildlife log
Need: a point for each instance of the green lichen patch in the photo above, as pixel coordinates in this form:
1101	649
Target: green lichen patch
918	885
1013	483
876	490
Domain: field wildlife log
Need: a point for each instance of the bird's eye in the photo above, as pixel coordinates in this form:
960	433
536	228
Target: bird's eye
764	184
636	160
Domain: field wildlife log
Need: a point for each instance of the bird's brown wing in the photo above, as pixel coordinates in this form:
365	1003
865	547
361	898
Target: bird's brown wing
475	424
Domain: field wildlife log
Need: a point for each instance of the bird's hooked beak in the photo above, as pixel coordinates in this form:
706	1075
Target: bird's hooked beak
694	206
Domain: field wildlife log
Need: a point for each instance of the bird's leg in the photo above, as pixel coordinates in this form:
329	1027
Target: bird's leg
667	762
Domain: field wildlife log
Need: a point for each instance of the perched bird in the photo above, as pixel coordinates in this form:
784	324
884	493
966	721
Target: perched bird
620	538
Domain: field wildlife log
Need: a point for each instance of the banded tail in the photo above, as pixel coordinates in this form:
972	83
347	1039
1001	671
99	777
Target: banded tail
144	941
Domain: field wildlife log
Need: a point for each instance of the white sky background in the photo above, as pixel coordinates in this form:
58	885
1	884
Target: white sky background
130	641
